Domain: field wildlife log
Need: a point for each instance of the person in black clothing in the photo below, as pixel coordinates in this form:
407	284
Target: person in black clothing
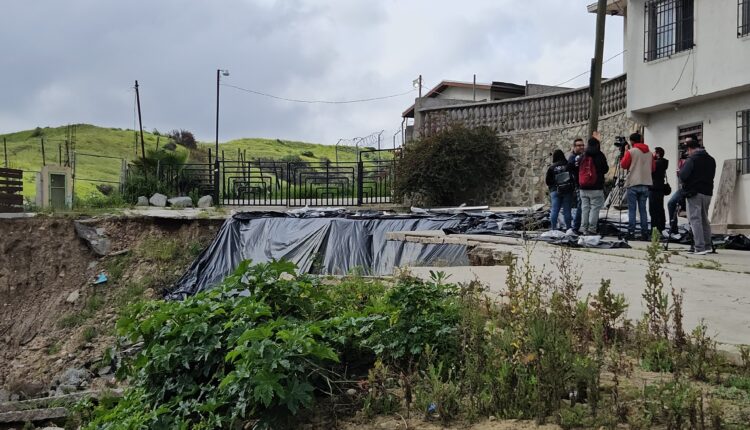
562	189
656	194
697	178
592	194
574	160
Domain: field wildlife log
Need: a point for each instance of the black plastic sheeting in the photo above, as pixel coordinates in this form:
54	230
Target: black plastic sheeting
324	243
335	242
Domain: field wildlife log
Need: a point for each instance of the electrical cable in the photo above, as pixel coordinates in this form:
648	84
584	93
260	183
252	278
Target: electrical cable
589	71
318	101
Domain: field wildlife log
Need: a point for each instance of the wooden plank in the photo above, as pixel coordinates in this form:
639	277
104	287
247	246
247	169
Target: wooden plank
723	197
10	209
10	190
11	182
11	173
11	199
33	415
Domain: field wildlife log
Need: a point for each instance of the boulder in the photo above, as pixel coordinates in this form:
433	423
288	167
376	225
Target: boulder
142	201
181	202
98	243
205	202
73	297
158	200
105	189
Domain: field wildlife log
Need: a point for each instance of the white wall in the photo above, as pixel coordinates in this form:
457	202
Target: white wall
719	118
458	93
718	64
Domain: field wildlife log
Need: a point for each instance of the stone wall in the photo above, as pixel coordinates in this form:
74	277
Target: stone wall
532	153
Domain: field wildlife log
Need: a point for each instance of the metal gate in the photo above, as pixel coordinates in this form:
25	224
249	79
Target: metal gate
276	183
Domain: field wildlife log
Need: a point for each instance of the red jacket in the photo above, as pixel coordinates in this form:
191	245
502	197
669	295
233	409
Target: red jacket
627	160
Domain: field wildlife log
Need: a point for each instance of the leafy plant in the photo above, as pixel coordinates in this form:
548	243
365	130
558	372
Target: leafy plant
454	166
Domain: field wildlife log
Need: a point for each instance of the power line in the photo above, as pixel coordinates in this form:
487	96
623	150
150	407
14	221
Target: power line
318	101
589	71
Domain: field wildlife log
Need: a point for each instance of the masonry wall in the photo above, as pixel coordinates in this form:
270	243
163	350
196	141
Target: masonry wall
532	154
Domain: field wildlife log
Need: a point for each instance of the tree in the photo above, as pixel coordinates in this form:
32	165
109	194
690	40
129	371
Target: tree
457	165
183	138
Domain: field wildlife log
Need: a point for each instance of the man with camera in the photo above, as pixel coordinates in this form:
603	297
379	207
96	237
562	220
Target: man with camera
574	161
639	162
678	198
697	178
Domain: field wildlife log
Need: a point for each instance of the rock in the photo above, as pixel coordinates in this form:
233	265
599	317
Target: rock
205	202
73	297
351	392
100	244
181	202
105	189
4	395
142	201
74	377
106	370
92	265
158	200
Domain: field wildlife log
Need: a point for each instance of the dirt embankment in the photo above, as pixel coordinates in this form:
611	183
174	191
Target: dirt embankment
52	318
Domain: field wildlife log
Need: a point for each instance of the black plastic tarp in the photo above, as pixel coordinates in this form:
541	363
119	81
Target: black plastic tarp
332	243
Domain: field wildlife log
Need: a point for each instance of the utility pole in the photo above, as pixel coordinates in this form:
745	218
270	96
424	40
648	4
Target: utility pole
595	88
474	87
44	158
5	149
420	86
140	125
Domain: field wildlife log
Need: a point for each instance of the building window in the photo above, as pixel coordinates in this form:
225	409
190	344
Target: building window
669	28
743	141
743	18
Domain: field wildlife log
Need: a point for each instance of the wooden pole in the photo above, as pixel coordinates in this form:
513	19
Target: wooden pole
5	150
44	158
595	88
420	86
140	125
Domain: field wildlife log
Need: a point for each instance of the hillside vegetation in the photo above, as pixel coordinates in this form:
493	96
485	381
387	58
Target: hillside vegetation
25	152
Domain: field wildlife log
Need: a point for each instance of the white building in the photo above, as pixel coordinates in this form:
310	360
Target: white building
688	68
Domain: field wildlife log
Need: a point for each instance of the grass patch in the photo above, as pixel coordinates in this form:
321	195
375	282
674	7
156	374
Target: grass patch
706	264
89	333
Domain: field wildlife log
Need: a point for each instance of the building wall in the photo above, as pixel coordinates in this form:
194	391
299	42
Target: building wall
717	65
531	152
719	118
457	93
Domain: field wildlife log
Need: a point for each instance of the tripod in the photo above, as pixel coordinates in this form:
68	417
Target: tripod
617	194
672	221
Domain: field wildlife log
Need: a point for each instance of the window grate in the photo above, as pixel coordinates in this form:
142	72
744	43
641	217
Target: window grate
743	141
668	28
743	18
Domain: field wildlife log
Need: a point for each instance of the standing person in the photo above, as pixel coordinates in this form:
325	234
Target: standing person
656	195
639	162
697	178
561	189
574	160
678	198
591	171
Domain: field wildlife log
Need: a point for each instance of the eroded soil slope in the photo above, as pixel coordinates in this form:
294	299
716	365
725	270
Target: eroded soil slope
51	316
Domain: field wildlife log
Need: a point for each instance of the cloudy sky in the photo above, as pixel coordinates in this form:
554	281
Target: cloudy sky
75	61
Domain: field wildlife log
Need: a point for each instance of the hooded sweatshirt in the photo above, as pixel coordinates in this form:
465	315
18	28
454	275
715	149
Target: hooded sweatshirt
600	163
640	163
697	174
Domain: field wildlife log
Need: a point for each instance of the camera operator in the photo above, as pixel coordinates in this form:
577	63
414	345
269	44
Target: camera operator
697	178
678	198
639	163
574	161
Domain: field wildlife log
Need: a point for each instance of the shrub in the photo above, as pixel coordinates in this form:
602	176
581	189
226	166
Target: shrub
458	165
307	154
37	132
183	138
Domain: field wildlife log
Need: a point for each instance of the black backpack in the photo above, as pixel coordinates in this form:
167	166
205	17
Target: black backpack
564	181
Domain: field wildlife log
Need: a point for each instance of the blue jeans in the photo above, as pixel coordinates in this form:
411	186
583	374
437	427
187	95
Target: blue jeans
677	198
638	195
577	213
564	201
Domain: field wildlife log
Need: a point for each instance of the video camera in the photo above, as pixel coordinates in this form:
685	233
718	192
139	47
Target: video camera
621	143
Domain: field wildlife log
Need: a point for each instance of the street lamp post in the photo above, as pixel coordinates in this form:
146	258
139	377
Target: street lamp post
219	72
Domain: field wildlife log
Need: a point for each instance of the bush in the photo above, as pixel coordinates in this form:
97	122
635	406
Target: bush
183	138
307	154
458	165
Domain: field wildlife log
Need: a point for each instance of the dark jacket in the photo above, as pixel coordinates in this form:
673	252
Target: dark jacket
697	174
600	163
659	174
573	164
553	170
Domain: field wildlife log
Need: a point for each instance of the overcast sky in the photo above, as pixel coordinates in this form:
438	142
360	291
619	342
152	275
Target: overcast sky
75	61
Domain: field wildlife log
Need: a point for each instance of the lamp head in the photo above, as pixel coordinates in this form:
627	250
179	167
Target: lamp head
224	72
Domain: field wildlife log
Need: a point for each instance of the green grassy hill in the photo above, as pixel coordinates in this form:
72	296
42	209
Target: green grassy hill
24	152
